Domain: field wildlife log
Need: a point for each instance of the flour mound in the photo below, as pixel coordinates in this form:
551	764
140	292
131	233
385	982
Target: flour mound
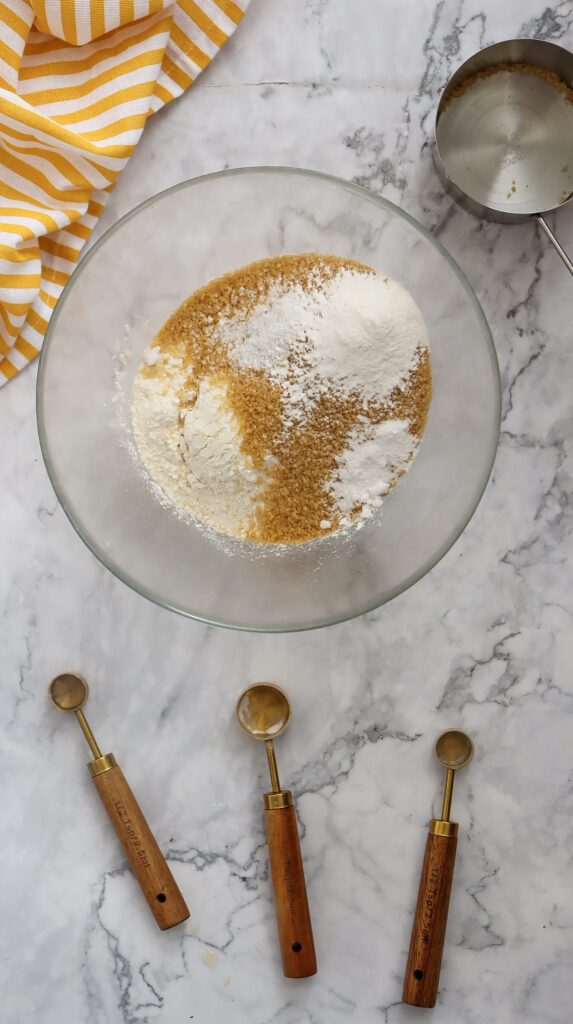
283	401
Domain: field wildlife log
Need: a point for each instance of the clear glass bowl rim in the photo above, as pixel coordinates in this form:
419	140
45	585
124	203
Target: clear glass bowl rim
367	194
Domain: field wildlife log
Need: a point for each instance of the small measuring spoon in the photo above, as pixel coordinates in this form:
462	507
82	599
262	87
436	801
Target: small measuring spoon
454	750
263	712
69	692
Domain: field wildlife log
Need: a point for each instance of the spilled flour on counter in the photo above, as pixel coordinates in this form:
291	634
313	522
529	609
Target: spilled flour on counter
210	959
283	401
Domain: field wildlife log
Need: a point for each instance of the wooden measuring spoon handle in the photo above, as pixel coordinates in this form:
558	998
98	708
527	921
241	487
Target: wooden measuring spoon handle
146	859
422	976
293	916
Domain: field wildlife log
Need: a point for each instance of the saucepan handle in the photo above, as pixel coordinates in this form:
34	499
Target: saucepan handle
545	226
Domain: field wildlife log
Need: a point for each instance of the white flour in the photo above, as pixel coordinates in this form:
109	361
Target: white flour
197	458
355	334
365	330
375	456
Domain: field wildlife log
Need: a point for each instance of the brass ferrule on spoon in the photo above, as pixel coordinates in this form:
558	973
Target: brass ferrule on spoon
454	750
101	762
443	826
279	797
68	692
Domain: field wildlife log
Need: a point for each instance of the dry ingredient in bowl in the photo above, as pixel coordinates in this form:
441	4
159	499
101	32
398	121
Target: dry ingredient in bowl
282	401
505	67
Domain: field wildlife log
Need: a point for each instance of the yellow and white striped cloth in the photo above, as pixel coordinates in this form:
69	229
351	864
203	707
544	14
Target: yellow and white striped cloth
78	79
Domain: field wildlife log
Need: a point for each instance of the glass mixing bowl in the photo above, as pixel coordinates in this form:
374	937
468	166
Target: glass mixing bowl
121	294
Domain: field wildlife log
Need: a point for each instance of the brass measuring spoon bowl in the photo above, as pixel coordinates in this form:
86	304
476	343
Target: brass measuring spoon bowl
68	692
454	749
263	711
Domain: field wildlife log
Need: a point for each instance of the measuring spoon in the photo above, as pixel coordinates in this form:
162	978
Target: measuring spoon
454	750
69	692
263	712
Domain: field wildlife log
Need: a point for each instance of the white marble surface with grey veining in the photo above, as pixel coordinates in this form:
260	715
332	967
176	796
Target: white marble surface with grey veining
484	642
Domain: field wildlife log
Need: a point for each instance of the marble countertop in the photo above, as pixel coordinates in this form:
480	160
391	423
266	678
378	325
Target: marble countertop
484	642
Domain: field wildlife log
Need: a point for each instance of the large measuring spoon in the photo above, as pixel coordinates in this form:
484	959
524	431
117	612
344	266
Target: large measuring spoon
68	692
263	711
454	750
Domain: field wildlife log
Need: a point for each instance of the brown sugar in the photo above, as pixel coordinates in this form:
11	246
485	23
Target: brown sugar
295	501
520	68
296	457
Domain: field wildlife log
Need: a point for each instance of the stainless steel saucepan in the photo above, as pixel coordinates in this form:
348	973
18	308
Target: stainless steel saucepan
504	133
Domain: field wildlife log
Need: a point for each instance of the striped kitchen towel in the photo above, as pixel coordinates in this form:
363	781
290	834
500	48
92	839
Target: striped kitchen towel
78	80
